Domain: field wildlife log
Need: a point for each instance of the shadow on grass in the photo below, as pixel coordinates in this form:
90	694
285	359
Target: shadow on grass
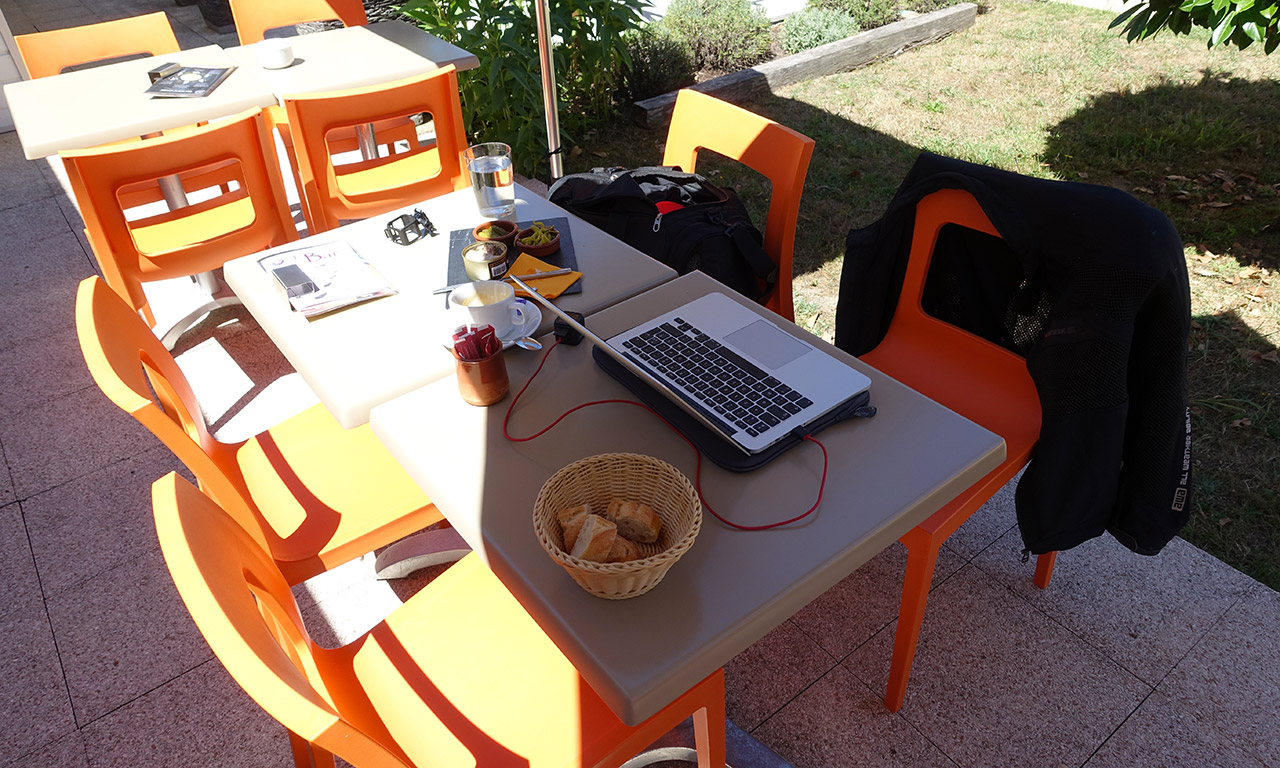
1235	411
1206	154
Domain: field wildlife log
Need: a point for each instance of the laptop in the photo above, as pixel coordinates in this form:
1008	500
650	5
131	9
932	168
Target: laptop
733	370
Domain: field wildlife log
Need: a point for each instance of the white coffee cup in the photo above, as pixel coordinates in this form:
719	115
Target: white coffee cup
274	53
489	302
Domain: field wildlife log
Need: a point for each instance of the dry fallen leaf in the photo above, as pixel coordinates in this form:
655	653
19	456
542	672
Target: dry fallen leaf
1242	422
1213	204
1223	520
1144	189
1252	355
1272	357
1206	273
1250	272
1175	177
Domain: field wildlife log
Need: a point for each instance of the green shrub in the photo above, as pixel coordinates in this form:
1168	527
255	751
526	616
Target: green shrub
723	35
813	27
868	13
658	64
502	99
928	6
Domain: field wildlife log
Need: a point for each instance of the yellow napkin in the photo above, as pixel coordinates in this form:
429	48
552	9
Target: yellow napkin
549	287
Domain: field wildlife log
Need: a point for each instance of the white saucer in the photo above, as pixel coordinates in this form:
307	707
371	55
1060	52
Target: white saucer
532	319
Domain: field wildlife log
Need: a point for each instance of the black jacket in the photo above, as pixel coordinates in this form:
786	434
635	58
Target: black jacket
1090	285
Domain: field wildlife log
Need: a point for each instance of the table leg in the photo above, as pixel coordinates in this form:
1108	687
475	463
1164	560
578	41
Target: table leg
367	140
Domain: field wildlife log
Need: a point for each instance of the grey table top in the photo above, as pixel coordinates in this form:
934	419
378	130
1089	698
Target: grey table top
887	474
365	355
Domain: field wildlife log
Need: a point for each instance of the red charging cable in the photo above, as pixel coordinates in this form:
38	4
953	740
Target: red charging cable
697	481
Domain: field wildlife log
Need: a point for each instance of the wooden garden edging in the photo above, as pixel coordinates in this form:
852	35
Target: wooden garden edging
840	56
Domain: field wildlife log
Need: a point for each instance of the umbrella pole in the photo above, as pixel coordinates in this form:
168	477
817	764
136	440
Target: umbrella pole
549	88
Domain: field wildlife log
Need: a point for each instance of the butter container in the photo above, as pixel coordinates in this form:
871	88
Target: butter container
485	260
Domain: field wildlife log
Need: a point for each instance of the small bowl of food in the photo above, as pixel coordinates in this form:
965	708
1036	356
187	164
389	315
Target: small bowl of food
538	240
501	230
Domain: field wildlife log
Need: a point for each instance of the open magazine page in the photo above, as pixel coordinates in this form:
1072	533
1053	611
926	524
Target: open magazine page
324	277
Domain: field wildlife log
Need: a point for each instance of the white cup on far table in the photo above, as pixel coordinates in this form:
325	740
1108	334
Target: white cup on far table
274	53
487	303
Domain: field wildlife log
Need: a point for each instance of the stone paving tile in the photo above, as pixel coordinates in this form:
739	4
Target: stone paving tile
68	437
1144	613
42	369
992	520
996	682
198	718
1162	734
762	679
67	752
96	522
24	225
20	178
42	307
122	633
19	584
32	684
864	602
1230	681
841	723
7	495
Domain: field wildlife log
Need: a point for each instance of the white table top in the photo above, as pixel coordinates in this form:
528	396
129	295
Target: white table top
351	57
887	474
365	355
95	106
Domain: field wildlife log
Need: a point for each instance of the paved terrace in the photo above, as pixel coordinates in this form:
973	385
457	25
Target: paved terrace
1124	661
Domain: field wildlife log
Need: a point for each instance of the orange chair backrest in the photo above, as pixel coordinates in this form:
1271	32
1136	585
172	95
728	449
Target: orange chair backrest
253	18
134	370
978	379
48	53
189	240
246	611
775	151
377	186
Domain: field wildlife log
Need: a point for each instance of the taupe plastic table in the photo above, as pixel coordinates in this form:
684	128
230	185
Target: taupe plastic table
359	357
887	474
89	107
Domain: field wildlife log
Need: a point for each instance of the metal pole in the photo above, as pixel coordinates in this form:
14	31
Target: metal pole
549	88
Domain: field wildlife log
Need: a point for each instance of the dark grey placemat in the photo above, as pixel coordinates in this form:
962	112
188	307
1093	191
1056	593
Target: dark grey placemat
565	257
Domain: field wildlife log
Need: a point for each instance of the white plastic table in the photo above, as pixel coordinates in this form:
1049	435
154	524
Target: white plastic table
887	474
359	357
89	107
351	57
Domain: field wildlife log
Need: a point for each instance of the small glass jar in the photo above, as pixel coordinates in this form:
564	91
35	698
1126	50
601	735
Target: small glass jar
486	260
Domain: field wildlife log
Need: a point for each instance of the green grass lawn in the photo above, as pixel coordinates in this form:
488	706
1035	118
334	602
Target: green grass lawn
1046	89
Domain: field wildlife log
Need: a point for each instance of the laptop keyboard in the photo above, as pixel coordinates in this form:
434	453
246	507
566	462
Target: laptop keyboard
716	376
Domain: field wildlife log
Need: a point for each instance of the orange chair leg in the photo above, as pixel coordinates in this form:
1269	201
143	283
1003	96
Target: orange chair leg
1044	569
922	556
709	730
308	755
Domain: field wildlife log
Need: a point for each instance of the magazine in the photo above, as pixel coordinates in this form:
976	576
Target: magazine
189	82
324	277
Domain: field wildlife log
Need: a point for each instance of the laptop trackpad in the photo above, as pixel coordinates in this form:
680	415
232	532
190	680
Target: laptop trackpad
764	342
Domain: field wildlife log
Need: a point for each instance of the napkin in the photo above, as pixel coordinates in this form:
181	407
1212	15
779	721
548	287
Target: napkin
549	287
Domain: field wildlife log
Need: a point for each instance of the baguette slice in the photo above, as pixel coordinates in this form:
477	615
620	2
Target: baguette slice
595	540
635	520
624	551
571	521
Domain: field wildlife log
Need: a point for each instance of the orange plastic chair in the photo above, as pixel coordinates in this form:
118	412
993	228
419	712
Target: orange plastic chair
49	53
374	187
982	381
458	675
254	18
775	151
320	494
190	240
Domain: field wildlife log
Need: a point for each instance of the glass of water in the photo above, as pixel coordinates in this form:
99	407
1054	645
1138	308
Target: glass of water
491	179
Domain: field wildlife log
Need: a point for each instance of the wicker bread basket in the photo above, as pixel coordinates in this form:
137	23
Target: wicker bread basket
596	480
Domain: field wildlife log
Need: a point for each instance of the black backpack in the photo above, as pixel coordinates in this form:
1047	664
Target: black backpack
712	232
